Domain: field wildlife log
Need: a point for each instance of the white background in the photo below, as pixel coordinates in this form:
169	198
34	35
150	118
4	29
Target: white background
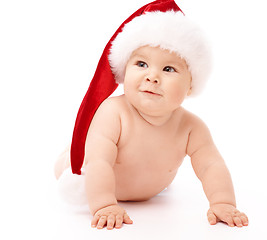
48	54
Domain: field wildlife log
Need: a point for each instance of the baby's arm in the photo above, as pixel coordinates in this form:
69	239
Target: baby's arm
100	156
210	168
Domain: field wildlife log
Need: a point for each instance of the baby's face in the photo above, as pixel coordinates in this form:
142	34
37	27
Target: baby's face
156	81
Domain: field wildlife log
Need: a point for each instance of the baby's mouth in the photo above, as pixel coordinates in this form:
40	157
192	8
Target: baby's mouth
152	93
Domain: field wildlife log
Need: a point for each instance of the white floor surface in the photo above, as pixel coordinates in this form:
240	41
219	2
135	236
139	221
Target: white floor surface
179	212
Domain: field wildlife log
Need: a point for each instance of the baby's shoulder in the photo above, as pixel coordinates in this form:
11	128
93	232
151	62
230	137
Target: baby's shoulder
107	119
199	131
112	105
192	120
199	134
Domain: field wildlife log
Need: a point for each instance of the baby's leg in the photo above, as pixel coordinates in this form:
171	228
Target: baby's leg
62	163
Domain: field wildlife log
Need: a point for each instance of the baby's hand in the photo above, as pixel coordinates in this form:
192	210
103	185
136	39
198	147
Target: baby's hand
112	216
228	214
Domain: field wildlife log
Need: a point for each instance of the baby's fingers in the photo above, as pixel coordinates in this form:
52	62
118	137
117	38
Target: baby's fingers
102	222
110	222
211	217
228	219
127	219
237	221
244	219
119	221
95	221
240	220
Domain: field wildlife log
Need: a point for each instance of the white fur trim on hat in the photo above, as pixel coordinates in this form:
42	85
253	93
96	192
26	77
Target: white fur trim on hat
169	30
71	187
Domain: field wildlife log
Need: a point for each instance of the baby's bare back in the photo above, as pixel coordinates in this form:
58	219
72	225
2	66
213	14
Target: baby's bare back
148	156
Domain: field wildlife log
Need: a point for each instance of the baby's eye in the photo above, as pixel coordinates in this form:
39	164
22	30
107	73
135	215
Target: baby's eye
169	69
142	64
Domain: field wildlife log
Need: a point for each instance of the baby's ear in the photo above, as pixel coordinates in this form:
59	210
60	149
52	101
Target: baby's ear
189	91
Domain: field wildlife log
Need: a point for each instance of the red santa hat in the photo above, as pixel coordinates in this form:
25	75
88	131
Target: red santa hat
159	23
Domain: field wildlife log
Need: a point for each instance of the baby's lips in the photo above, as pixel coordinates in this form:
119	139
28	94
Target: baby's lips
151	92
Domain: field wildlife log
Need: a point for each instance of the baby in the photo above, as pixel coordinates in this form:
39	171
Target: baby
136	142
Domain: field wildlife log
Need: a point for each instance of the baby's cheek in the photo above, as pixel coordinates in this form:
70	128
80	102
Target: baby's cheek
177	94
128	88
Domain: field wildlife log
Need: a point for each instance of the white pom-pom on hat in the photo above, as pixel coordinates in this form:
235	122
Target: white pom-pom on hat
71	187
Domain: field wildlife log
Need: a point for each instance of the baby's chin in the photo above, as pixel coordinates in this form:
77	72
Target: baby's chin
158	110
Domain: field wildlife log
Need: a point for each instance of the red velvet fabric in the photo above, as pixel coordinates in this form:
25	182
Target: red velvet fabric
101	87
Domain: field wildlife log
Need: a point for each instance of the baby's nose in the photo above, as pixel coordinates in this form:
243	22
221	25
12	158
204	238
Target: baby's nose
153	77
149	79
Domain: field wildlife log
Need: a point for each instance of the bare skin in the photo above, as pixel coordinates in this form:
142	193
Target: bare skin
136	153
